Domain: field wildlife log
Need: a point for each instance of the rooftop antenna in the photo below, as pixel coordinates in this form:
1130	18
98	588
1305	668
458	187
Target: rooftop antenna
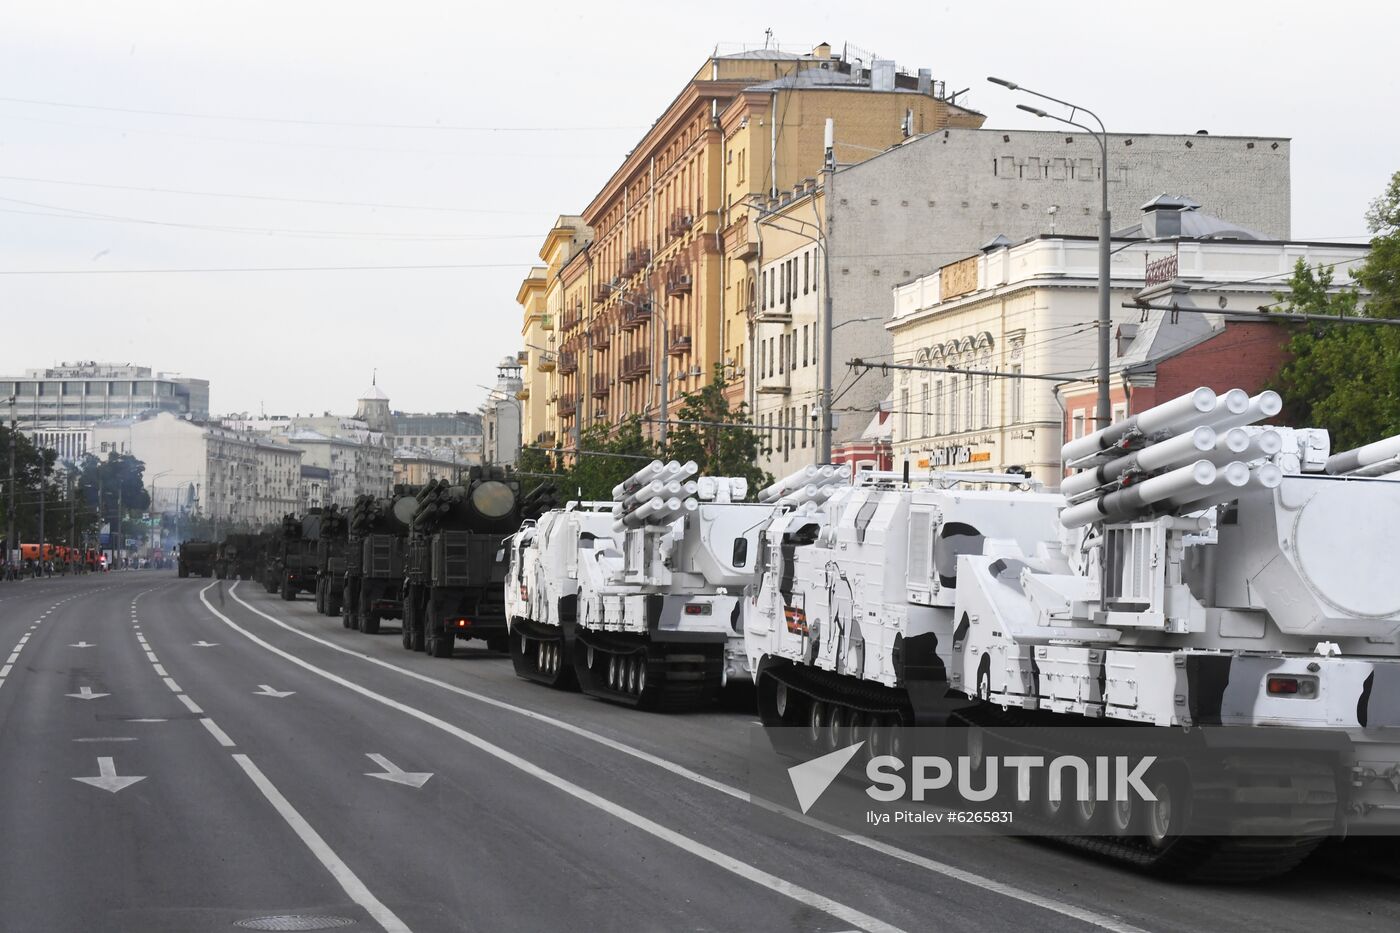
767	35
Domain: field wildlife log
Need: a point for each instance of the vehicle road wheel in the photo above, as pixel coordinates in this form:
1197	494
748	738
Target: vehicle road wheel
288	592
499	643
369	623
441	646
407	637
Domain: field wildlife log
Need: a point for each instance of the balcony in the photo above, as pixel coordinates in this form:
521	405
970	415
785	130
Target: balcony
602	336
635	365
568	362
602	292
740	240
523	394
680	223
680	342
779	313
635	262
567	406
544	439
546	322
545	364
572	318
679	281
602	386
776	384
635	315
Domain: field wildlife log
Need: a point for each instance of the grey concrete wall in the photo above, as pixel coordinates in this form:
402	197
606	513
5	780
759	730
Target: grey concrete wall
941	197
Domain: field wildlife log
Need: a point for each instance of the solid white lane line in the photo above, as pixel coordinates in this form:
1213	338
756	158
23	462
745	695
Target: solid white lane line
191	705
220	735
1101	920
174	687
714	856
349	882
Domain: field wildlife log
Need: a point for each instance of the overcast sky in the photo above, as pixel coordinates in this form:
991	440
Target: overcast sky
451	134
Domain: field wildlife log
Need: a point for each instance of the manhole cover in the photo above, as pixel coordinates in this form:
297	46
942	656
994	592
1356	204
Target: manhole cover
294	922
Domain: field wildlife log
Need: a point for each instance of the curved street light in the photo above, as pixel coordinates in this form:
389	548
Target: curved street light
1104	408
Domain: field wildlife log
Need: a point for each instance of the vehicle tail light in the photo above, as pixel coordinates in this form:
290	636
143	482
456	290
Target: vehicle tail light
1284	685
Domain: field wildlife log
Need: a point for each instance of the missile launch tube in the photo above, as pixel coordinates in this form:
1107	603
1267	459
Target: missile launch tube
1229	480
1379	468
1262	406
638	479
1189	409
1139	497
1348	460
1174	452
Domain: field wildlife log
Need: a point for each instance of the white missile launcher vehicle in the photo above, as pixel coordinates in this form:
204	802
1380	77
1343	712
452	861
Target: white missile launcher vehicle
542	587
642	601
1198	570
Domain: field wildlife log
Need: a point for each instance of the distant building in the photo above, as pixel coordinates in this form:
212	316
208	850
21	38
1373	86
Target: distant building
229	476
356	453
1029	310
458	431
502	415
899	215
57	407
415	468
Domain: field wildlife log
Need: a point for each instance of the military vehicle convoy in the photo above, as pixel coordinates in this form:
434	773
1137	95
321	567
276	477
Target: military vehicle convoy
645	603
197	557
455	570
290	566
331	545
238	557
374	565
1197	571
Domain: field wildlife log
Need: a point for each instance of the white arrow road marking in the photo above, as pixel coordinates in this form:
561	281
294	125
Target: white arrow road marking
85	693
396	774
811	778
108	779
205	644
83	644
267	691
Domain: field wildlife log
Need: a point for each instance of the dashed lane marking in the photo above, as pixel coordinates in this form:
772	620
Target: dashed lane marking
1094	918
745	870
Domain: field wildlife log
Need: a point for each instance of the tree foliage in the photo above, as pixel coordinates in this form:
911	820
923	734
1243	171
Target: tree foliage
718	443
607	454
1346	378
37	469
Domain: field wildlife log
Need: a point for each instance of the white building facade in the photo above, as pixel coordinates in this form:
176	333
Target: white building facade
996	332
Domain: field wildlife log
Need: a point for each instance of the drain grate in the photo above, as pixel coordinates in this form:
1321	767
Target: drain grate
294	922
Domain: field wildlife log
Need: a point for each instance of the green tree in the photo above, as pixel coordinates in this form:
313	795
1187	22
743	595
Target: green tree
536	466
605	457
719	442
1346	378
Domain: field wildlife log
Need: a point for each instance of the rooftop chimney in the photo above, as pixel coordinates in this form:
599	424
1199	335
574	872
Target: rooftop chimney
882	74
925	81
1161	217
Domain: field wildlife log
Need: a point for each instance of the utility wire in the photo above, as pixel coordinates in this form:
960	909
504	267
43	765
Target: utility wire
262	197
301	122
242	269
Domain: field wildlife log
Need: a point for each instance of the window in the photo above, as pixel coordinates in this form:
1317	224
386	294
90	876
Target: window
802	428
938	407
970	392
792	278
924	411
782	353
806	270
954	403
904	413
1077	431
1018	396
804	344
1120	412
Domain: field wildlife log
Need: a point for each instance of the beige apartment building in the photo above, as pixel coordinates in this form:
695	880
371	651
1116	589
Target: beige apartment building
653	287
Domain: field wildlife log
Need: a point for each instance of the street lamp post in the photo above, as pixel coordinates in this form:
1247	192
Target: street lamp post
1104	413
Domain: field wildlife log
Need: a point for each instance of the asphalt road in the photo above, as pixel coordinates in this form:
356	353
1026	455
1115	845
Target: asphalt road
289	768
